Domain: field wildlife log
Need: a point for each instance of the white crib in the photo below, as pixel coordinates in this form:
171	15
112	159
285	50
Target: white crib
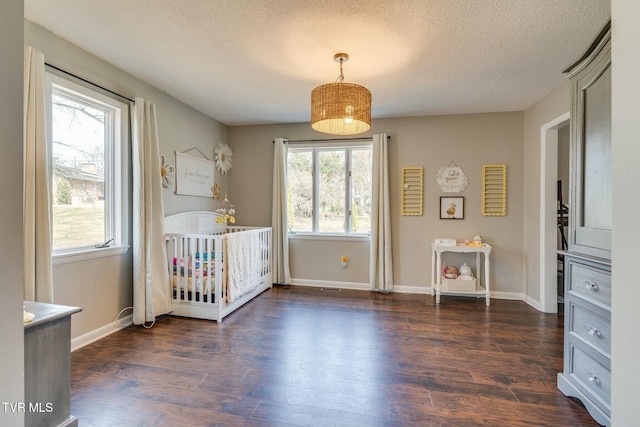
215	268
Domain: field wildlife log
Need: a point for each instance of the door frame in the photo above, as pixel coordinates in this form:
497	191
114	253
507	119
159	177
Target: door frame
548	212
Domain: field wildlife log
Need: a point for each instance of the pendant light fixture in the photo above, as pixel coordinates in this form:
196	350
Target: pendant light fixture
341	108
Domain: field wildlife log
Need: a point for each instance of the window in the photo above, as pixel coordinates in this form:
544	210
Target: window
330	188
88	133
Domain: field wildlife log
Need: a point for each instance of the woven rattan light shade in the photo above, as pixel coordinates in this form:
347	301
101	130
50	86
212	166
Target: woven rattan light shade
341	108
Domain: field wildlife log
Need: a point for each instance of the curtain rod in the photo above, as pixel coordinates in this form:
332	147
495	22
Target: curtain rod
87	81
333	139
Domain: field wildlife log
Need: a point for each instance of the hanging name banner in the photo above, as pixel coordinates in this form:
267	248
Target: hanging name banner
452	179
194	176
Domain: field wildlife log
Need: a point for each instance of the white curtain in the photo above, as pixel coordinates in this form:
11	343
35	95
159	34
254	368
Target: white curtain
151	287
38	281
279	223
380	260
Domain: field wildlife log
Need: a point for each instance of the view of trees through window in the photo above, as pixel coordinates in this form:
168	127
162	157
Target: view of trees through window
331	189
78	169
342	200
300	189
361	175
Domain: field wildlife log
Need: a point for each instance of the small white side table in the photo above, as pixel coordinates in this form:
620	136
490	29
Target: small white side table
436	269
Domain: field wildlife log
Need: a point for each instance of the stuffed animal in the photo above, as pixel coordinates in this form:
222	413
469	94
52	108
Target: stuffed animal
450	272
477	241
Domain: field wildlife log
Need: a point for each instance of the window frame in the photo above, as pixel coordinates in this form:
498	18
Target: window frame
116	178
316	148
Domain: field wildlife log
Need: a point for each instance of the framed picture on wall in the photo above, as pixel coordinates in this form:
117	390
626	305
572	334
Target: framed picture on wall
194	175
451	207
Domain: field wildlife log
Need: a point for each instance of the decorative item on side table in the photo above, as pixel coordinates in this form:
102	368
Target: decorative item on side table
226	209
477	241
465	271
451	207
445	241
458	279
449	272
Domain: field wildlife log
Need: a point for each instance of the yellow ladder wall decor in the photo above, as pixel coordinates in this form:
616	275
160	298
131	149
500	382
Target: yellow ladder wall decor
494	190
412	191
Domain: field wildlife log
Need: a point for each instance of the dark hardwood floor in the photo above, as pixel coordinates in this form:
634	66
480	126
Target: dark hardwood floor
298	356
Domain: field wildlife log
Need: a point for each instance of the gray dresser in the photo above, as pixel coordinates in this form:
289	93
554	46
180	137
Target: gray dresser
587	262
47	365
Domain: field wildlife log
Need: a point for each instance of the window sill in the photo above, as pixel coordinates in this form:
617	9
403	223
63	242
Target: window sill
85	255
344	237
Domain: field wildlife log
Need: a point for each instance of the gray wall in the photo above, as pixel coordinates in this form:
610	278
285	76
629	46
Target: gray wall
625	346
11	256
470	141
554	105
103	287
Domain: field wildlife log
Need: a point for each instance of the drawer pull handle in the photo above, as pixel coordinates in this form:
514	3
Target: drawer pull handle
593	331
594	379
592	286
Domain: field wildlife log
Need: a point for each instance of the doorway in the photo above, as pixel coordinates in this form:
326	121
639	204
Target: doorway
552	135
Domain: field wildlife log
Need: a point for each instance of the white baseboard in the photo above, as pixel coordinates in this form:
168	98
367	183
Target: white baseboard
86	339
533	303
412	289
517	296
331	284
404	289
358	286
425	290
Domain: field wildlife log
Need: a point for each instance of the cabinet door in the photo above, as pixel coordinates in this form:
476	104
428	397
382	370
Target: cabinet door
591	158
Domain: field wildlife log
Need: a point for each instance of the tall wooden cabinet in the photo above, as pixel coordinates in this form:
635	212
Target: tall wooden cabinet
587	279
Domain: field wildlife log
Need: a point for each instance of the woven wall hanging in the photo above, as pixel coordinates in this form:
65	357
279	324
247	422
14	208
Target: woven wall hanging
412	191
494	190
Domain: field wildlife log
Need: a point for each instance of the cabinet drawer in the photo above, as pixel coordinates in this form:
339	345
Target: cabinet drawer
590	327
590	283
594	377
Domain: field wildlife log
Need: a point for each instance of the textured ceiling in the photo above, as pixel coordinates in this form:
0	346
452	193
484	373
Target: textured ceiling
252	62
